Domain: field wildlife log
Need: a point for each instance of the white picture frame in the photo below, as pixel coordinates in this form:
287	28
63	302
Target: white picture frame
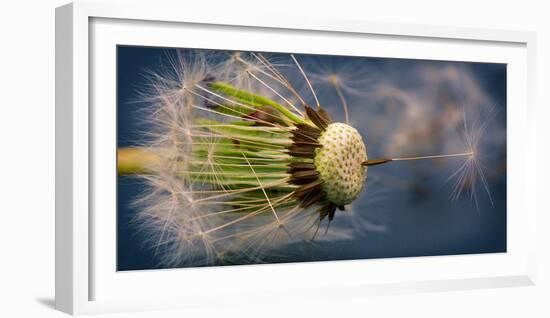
86	281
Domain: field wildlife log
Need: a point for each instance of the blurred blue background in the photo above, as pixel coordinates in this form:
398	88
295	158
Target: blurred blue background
401	107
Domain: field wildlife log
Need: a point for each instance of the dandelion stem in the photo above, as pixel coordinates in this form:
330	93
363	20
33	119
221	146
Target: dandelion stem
136	160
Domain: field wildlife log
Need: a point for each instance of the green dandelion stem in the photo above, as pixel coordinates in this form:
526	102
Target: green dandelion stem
214	165
132	161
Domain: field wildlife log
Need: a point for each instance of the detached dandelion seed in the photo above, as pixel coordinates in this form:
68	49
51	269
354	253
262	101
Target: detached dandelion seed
471	173
241	164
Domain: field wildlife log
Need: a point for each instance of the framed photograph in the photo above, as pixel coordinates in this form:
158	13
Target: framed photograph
222	159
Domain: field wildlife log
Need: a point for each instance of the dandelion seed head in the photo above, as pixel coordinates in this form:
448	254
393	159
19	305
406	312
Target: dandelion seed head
339	163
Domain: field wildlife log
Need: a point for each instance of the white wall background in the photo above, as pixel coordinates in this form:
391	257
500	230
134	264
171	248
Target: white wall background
27	158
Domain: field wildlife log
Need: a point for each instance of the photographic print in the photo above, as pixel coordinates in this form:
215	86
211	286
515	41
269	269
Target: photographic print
236	158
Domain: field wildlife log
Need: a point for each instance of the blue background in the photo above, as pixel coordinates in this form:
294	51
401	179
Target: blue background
419	219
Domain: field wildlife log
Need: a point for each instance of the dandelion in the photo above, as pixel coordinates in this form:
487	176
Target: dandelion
240	164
